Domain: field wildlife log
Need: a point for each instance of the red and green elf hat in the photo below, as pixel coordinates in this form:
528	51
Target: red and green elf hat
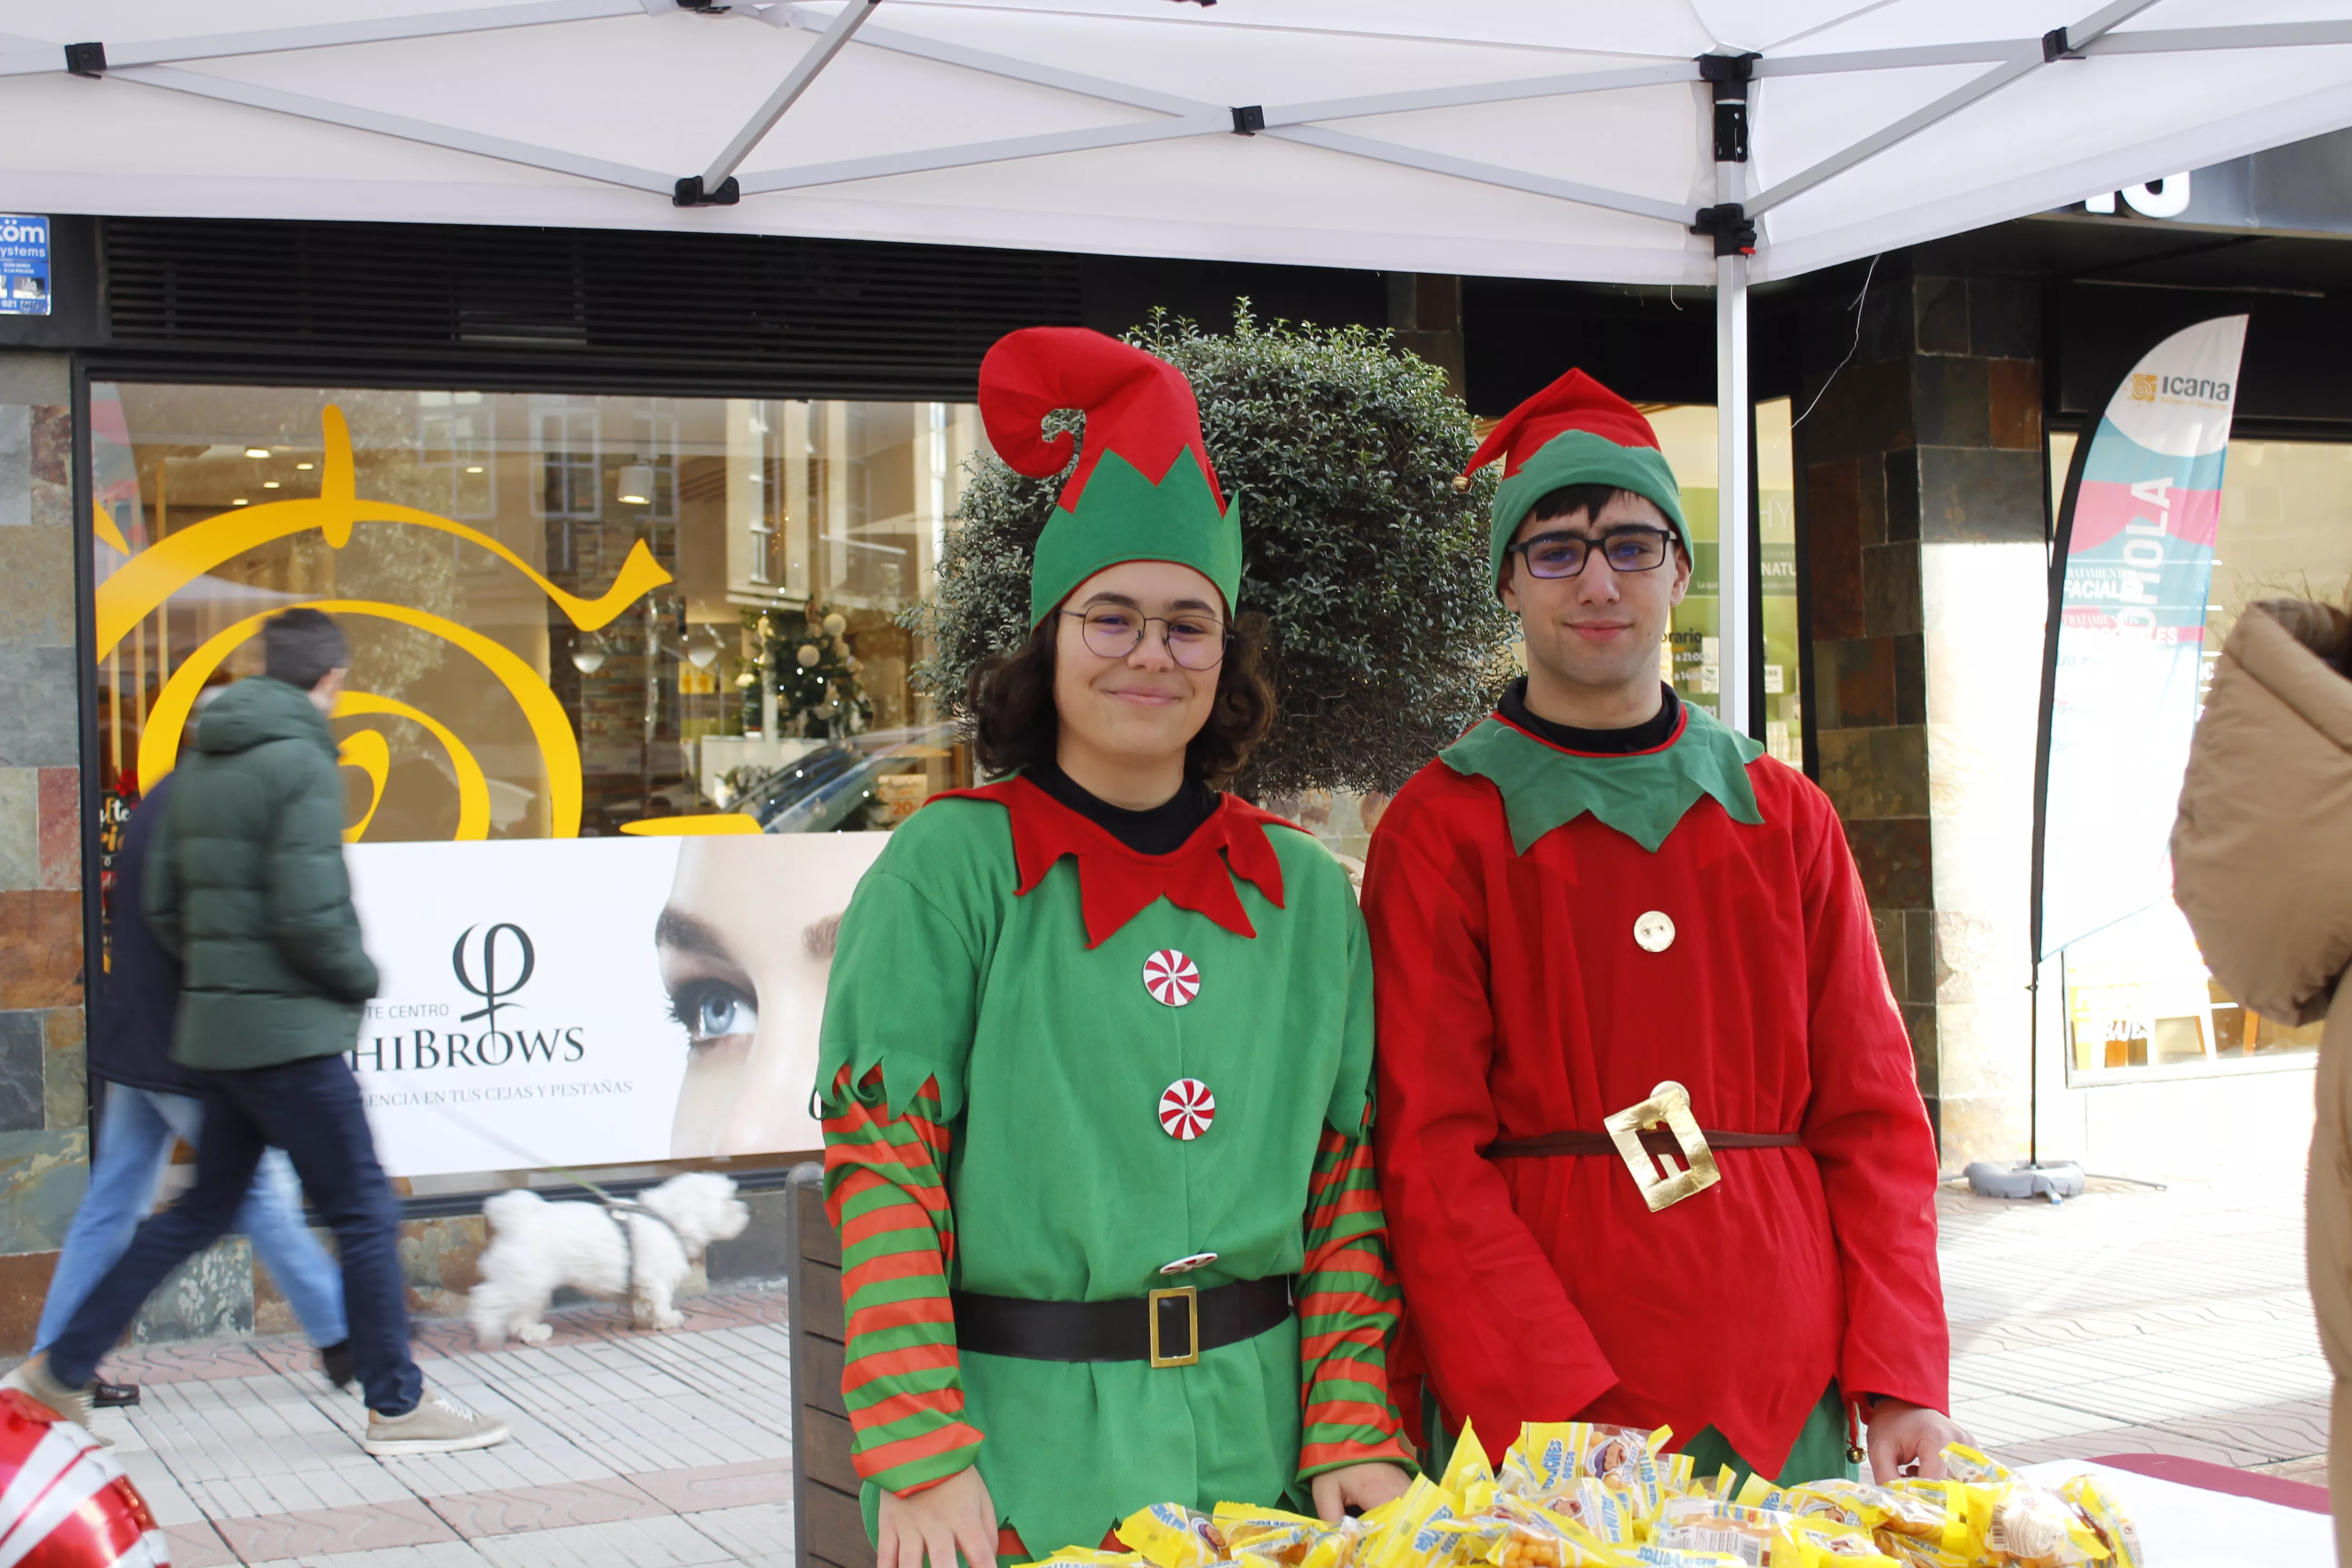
1574	432
1143	489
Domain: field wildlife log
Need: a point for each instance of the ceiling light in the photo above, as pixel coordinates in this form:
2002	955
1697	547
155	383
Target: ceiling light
257	451
636	484
588	654
473	469
304	468
269	484
238	501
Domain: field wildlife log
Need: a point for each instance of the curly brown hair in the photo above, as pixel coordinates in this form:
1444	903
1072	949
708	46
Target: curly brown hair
1016	725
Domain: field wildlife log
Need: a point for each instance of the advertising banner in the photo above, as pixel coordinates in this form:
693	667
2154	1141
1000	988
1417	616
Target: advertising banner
597	1001
2131	629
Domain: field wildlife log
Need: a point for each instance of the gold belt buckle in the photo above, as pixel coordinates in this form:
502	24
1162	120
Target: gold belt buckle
1191	1297
1668	1103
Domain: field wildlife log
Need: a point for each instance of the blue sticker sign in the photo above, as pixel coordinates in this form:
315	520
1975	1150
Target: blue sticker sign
24	266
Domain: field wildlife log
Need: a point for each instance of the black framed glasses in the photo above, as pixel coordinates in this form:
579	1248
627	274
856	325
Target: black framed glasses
1564	554
1194	641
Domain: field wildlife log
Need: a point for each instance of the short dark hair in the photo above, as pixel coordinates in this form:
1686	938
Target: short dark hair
299	646
1578	501
1016	725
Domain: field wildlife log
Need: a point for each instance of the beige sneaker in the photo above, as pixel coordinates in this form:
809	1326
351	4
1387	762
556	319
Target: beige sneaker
32	1378
439	1425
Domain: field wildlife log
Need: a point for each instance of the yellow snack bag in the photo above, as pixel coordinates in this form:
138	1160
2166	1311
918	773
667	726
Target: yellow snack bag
1406	1537
1693	1524
1958	1530
1675	1472
1170	1535
1336	1547
1673	1557
1093	1557
1269	1533
2116	1531
1468	1465
1963	1463
2034	1528
1807	1544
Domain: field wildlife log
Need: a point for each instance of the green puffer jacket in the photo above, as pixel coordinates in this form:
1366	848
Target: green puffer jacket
245	883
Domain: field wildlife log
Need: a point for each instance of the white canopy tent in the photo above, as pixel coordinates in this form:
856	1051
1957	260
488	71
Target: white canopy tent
1573	139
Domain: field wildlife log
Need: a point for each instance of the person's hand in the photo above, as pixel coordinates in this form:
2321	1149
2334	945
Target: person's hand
957	1515
1905	1434
1366	1486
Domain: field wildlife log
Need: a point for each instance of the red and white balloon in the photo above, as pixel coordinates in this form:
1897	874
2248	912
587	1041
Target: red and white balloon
1187	1110
1172	979
64	1502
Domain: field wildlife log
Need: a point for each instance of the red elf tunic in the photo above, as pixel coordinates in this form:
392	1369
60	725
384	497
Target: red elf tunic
1514	1000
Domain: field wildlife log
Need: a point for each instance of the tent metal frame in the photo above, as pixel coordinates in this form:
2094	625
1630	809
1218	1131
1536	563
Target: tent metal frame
160	64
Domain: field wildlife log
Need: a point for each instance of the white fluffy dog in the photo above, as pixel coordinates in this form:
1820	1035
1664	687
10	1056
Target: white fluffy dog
536	1246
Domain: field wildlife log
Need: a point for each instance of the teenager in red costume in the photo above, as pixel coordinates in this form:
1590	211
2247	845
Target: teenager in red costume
1596	891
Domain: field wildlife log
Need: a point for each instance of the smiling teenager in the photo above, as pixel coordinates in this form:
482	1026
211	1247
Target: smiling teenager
1596	894
1097	1054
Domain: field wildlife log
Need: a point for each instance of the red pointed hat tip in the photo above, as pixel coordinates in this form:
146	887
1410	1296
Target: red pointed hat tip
1136	405
1574	402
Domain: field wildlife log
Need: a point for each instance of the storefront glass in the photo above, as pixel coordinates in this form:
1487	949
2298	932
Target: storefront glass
2138	995
555	601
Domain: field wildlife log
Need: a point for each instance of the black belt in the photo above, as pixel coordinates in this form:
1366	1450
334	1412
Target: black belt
1657	1140
1167	1327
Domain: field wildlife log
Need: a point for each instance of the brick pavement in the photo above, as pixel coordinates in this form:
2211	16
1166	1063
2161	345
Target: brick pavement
2127	1321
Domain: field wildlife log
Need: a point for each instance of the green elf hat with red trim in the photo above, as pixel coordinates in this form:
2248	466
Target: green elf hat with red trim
1143	489
1574	432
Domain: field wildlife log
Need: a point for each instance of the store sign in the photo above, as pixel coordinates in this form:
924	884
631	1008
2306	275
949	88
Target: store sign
596	1000
2131	629
24	266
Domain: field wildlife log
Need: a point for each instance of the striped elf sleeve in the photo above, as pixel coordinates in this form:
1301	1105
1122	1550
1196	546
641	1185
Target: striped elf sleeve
1347	1310
900	1379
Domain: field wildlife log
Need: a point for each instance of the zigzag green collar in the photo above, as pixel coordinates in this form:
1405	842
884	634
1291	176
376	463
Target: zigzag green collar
1641	797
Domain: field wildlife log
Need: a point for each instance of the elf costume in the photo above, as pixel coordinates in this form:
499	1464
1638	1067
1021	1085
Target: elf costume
1063	1074
1561	922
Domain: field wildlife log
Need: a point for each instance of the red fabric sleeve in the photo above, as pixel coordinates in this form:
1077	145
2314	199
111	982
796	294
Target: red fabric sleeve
1503	1343
1870	1140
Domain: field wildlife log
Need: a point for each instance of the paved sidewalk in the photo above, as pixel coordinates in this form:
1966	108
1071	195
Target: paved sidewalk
2137	1320
2127	1321
629	1451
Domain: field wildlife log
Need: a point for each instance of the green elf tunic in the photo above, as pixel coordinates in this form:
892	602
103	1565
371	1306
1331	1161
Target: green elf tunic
1053	1064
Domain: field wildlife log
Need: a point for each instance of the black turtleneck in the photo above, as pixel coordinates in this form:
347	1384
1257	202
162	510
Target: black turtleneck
1161	830
1646	736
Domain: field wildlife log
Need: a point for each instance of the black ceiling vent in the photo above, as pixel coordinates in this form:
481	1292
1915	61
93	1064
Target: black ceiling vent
566	309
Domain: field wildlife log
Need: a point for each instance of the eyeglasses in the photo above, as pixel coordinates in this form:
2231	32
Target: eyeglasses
1563	554
1195	642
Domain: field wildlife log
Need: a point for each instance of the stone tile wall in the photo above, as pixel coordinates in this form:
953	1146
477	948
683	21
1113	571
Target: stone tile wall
1930	434
44	1138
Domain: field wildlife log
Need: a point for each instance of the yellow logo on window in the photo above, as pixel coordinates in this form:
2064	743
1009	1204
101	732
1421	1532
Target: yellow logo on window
2143	389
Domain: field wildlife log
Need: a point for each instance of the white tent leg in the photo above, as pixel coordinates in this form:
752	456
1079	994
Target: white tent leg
1733	568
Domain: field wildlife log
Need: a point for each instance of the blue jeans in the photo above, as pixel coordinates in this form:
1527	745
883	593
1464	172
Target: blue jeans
134	1140
312	1110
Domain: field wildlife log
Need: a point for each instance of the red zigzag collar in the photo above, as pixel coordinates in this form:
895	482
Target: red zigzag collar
1116	883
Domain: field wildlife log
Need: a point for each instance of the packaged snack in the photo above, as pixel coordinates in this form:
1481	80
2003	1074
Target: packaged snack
1554	1455
1406	1533
1669	1557
1808	1544
1960	1526
2034	1528
1697	1524
2116	1531
1468	1465
1169	1536
1858	1505
1335	1547
1963	1463
1091	1557
1269	1533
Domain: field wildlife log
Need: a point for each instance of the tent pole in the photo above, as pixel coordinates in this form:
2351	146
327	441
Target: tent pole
1733	459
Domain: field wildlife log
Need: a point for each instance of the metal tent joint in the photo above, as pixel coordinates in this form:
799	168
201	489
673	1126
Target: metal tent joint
2055	46
1249	118
86	59
691	194
1730	75
1728	222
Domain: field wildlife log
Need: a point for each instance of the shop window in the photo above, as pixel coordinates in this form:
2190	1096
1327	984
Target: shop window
2137	996
457	453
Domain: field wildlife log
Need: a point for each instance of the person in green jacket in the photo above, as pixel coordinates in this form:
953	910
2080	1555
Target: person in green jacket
1096	1053
245	886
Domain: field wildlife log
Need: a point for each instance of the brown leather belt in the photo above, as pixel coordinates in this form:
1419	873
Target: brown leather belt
1657	1140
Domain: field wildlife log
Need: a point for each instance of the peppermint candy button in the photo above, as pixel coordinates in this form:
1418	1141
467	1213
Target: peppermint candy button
1187	1109
1172	978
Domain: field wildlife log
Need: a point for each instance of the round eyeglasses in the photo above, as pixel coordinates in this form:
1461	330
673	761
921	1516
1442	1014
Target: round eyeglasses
1563	554
1194	641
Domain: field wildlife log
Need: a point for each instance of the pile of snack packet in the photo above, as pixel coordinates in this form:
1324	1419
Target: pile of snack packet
1576	1495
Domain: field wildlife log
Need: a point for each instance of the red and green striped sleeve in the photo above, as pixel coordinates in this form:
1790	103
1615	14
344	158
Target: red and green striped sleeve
901	1380
1347	1310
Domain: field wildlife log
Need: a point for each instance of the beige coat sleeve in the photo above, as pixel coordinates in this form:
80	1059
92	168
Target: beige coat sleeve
2262	852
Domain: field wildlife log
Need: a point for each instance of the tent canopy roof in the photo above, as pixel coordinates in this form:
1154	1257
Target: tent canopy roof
1535	138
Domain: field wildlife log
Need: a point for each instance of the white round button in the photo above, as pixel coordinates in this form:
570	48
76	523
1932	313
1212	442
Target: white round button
1187	1110
1172	979
1655	932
